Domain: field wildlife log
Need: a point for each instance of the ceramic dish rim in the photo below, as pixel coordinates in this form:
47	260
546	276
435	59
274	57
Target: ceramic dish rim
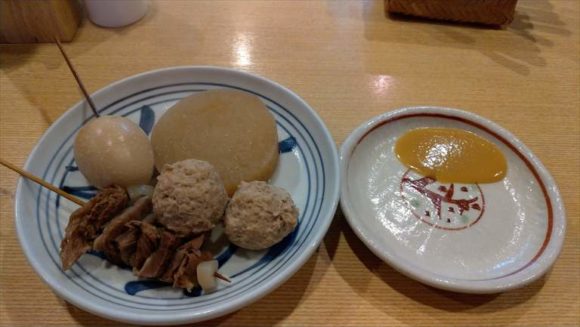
531	273
169	318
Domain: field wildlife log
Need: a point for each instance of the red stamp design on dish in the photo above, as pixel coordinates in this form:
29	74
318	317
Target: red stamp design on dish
449	206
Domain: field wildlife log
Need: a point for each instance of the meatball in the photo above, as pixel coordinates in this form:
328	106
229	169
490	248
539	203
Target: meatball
189	197
259	215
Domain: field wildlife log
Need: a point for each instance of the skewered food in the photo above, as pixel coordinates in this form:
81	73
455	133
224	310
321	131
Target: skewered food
127	235
113	150
87	223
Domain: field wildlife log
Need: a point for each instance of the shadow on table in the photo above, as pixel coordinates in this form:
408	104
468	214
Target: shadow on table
7	192
14	56
426	295
84	318
517	47
286	298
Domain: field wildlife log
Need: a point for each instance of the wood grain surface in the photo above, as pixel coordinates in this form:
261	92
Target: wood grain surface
350	62
34	21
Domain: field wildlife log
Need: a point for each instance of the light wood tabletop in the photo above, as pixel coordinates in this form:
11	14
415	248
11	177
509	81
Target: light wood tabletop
350	62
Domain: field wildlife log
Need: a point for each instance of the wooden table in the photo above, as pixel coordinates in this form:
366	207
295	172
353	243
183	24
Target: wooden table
350	62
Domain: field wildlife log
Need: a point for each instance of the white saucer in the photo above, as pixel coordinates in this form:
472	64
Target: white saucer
483	238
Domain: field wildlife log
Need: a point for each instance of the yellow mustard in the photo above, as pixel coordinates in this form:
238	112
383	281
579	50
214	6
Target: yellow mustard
451	155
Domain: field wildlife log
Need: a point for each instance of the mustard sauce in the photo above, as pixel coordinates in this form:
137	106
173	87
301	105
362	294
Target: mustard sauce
451	155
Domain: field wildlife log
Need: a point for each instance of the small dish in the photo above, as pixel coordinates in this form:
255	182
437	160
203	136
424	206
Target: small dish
308	168
484	238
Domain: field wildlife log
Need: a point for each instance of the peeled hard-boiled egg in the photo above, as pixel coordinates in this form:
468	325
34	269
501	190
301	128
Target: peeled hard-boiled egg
113	150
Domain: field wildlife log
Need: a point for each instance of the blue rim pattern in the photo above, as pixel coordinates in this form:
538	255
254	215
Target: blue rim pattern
86	272
51	235
318	196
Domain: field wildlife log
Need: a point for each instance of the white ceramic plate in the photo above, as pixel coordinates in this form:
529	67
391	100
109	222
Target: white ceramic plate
308	169
482	238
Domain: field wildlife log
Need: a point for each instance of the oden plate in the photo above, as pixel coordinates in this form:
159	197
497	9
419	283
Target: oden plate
308	169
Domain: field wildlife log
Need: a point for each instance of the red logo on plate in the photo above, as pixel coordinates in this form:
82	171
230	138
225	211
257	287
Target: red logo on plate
448	206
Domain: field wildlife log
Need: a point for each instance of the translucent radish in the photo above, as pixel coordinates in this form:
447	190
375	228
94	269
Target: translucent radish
206	275
137	191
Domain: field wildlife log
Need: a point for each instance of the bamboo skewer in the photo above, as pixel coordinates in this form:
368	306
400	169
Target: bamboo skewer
62	193
42	182
77	78
222	277
50	186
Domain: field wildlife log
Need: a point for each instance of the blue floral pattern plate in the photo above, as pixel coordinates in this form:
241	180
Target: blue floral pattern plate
308	169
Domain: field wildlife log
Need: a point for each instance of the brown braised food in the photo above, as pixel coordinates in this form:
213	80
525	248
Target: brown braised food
128	235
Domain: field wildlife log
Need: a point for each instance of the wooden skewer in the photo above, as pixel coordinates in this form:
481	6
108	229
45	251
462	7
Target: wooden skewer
222	277
72	198
77	78
42	182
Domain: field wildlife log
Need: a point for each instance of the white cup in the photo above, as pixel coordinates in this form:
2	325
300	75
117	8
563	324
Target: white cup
116	13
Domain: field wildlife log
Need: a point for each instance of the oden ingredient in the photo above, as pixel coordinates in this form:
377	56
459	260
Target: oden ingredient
112	150
232	130
451	155
189	197
205	275
128	235
259	215
87	223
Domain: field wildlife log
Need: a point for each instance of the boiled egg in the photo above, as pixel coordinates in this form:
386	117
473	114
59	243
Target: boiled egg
113	150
